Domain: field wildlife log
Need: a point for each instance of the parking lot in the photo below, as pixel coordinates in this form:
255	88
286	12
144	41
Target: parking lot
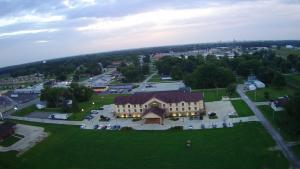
221	108
153	87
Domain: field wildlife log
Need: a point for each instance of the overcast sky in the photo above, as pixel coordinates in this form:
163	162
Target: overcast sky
33	30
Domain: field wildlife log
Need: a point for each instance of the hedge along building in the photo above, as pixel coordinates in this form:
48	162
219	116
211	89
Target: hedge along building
153	107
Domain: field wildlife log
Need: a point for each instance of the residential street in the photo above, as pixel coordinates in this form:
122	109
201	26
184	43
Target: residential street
294	161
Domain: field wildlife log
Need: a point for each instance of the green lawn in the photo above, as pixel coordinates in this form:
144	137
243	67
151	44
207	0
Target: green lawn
9	141
98	100
245	146
242	108
273	119
214	94
273	92
284	52
155	78
293	80
296	150
32	108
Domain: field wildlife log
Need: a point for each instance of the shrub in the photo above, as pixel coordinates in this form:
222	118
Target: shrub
174	118
136	119
176	128
126	128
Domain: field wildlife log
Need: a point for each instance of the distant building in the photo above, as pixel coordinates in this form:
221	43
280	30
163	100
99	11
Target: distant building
289	46
99	88
279	103
153	107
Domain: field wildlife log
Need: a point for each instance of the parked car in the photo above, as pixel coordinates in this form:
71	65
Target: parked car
116	127
103	127
202	126
89	117
96	126
214	125
101	108
94	112
108	127
83	126
190	127
103	118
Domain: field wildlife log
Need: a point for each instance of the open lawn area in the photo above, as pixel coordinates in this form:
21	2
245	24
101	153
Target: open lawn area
259	95
284	52
27	110
155	78
244	146
242	108
293	80
95	102
214	94
273	117
296	150
98	100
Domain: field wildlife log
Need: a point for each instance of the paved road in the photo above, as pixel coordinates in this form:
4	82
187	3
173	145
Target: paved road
294	161
38	120
142	85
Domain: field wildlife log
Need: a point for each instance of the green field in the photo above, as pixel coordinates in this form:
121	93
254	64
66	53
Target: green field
258	95
245	146
9	141
98	100
273	117
284	52
293	80
214	94
32	108
242	108
155	78
296	150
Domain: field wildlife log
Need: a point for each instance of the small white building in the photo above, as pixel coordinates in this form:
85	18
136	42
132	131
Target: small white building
259	84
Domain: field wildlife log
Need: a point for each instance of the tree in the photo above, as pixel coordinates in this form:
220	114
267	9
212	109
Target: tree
267	95
293	111
211	76
278	80
145	69
231	89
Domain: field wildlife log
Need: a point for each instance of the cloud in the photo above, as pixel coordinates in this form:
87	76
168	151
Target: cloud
25	32
41	41
78	3
30	18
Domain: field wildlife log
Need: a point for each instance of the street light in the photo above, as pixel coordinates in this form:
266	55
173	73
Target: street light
82	110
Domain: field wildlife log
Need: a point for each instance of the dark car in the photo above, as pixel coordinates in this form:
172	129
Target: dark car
96	126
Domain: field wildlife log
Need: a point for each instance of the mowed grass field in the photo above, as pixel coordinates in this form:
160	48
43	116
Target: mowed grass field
293	80
259	96
244	146
274	117
242	108
214	94
98	100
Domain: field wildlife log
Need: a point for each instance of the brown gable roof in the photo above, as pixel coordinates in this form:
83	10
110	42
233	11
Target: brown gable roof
166	96
156	110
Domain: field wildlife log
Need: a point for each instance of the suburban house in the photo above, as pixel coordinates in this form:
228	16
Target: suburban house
6	129
153	107
279	103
